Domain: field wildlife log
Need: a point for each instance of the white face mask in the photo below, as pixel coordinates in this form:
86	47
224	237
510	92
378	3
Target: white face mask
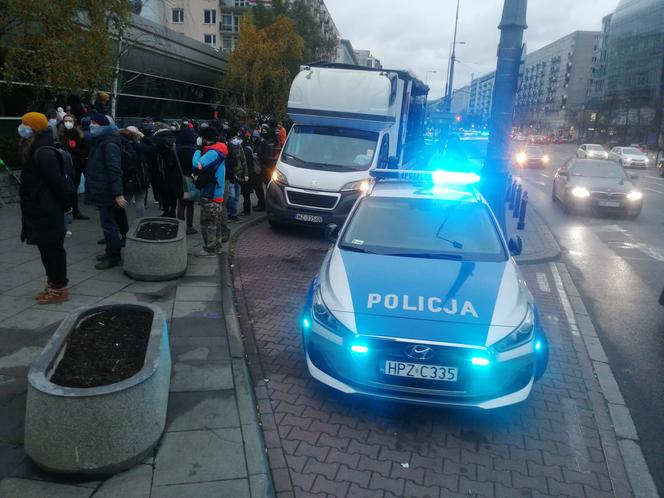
236	141
69	125
24	131
199	141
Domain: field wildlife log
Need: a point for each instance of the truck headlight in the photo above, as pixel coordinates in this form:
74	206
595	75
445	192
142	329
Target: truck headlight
580	192
279	177
635	195
520	336
360	185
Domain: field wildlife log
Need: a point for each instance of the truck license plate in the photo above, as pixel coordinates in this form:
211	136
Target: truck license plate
309	218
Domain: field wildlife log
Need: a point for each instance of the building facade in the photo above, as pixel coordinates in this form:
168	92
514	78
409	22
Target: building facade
364	58
480	97
461	100
630	106
555	85
345	53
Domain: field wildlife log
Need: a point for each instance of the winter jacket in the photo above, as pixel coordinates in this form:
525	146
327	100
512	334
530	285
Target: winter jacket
103	171
236	163
212	157
76	146
44	195
185	148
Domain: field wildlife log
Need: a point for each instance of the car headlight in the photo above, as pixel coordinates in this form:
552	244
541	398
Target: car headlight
606	155
580	192
520	336
322	314
279	177
521	158
360	185
545	159
635	195
646	160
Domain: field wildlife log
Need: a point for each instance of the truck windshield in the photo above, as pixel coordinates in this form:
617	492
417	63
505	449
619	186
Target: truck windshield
330	148
427	228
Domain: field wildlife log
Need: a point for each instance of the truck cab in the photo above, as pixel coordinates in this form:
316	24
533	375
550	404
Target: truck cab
348	120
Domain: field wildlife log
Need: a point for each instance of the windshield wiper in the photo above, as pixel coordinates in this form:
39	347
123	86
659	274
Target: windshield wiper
356	249
427	255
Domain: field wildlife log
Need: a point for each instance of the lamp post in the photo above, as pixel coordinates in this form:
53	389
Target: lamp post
450	71
494	184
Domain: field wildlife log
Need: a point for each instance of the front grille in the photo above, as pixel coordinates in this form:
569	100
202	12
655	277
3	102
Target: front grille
604	196
306	199
600	196
617	197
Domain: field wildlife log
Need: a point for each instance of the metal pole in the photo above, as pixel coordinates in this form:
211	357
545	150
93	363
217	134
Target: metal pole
450	80
494	184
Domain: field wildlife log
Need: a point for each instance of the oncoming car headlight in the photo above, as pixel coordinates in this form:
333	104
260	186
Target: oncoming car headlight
521	158
520	336
635	195
580	192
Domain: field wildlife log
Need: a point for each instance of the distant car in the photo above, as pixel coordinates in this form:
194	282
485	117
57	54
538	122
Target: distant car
596	183
629	157
641	147
532	155
591	151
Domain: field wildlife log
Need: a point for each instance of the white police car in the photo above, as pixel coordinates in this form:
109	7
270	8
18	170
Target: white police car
419	300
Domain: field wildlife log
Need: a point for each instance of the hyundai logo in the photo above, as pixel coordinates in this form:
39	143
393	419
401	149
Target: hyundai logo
419	352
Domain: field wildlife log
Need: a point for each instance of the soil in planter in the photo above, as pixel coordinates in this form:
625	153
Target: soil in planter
157	231
105	348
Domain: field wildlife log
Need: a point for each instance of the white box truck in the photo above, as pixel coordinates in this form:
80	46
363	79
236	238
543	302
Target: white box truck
347	120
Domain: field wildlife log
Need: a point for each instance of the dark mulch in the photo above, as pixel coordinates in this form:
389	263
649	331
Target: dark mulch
154	230
105	348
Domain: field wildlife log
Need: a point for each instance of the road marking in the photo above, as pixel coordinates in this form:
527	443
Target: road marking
564	300
654	190
609	228
545	175
543	282
539	183
577	442
654	252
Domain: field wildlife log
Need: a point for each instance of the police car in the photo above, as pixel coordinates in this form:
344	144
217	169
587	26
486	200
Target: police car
419	299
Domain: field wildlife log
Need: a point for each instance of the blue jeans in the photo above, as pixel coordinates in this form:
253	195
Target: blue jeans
233	198
111	232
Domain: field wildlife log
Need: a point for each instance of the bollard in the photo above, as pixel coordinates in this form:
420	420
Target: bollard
522	212
509	188
517	202
512	195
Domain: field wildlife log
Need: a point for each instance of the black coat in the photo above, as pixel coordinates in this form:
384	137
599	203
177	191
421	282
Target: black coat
103	171
44	195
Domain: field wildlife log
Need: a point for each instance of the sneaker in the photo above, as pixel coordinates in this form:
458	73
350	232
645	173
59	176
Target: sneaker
123	241
81	216
234	218
191	231
105	264
100	257
41	294
68	233
101	242
204	253
245	214
54	296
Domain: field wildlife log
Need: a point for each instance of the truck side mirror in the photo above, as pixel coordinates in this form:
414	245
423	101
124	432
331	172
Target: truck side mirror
393	162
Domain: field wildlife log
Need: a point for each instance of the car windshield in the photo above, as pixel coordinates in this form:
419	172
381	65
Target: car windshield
597	148
597	169
331	148
632	151
534	150
427	228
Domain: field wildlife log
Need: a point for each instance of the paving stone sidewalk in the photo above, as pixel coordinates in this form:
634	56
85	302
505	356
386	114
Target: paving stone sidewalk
212	445
560	442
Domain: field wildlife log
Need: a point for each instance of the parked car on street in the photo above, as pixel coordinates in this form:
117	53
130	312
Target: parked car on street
591	151
410	305
629	157
532	155
597	184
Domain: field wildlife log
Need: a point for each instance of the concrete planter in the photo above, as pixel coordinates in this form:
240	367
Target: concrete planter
154	260
99	430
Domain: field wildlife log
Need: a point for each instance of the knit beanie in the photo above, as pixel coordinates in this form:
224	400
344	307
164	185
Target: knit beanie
100	119
103	97
208	134
35	120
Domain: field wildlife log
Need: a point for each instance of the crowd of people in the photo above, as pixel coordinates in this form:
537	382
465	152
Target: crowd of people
181	162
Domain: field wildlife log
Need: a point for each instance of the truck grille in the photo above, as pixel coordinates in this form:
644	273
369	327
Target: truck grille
312	200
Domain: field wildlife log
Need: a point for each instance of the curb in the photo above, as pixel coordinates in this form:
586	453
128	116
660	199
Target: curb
553	254
632	460
258	467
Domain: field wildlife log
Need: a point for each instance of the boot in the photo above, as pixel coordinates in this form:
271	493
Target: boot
80	216
54	296
107	263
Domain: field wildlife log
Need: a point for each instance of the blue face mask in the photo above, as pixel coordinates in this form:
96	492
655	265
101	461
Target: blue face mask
25	131
95	129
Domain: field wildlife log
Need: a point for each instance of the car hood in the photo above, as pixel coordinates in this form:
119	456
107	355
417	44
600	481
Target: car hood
461	302
637	157
602	184
319	179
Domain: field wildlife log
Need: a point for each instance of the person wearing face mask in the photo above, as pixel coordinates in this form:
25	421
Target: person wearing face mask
237	174
44	198
72	139
103	184
183	153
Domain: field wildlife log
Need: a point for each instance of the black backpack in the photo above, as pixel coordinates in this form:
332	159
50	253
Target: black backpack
66	164
132	179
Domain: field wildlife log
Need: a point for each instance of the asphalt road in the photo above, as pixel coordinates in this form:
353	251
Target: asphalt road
617	265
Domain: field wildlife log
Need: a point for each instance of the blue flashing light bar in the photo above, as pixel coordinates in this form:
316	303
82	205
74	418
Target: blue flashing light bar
359	348
538	345
480	361
438	177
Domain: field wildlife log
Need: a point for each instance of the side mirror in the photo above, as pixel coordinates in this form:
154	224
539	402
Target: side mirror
515	245
331	232
392	162
633	176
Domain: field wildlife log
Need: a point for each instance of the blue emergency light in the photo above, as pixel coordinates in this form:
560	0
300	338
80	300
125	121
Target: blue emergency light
438	177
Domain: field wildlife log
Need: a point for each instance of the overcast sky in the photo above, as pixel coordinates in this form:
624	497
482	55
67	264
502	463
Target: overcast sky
417	34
